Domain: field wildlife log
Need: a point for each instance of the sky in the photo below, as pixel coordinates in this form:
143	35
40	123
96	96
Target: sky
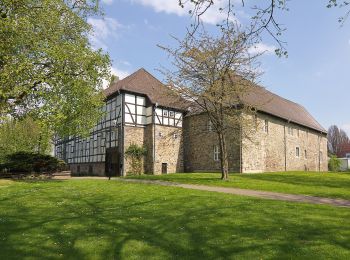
316	73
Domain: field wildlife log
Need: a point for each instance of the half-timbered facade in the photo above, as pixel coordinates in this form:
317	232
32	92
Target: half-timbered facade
140	110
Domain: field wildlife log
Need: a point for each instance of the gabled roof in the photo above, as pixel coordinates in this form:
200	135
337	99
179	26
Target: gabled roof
142	82
268	102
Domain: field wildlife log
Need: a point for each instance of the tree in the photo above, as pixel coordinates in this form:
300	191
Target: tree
334	164
25	135
214	73
263	18
47	66
336	139
341	4
135	153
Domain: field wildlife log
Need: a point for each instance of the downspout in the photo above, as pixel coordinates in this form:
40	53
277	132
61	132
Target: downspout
122	137
154	137
241	150
319	153
285	149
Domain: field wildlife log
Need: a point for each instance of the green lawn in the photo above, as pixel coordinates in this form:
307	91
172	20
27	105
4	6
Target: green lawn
333	185
100	219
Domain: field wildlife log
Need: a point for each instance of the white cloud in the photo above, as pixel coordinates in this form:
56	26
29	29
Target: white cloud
103	29
107	2
260	48
212	16
118	72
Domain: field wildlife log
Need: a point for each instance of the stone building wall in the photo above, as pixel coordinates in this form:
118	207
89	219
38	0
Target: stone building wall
132	134
169	149
87	169
276	149
168	144
199	146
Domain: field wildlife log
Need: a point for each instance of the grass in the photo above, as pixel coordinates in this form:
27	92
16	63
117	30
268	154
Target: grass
333	185
100	219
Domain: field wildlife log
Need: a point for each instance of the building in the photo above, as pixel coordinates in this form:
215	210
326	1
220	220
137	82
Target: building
140	109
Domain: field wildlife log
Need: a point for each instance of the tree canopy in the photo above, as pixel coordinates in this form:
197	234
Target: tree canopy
48	68
25	135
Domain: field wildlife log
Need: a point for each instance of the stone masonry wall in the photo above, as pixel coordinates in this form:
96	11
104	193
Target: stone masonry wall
132	135
276	149
97	169
168	146
199	146
169	149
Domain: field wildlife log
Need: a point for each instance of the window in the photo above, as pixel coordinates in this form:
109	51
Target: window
290	130
347	155
321	157
298	132
305	152
171	113
210	126
266	126
297	151
165	113
216	153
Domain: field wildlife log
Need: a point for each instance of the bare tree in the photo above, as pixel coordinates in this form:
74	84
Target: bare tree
336	139
214	73
263	18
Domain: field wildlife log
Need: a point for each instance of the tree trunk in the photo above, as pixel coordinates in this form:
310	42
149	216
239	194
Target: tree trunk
223	156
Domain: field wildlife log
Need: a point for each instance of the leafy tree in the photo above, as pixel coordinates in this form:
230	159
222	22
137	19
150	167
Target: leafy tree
334	164
25	135
135	153
47	66
214	73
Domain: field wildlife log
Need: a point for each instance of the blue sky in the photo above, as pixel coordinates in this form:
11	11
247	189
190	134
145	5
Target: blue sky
316	73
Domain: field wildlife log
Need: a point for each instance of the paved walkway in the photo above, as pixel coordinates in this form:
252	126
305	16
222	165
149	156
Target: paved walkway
250	193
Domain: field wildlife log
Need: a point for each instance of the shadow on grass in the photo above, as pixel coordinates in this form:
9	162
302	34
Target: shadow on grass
110	220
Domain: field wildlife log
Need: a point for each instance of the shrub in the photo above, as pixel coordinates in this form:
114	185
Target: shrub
28	162
334	164
135	153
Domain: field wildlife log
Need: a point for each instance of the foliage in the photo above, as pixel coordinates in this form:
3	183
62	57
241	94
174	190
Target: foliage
341	4
89	219
214	73
27	162
334	164
136	153
24	135
47	66
307	183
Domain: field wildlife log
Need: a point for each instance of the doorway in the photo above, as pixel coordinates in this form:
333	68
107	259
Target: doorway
164	168
112	162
